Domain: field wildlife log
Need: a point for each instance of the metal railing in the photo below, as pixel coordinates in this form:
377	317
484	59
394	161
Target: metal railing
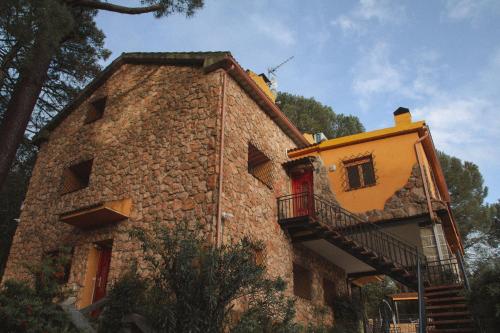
364	233
443	272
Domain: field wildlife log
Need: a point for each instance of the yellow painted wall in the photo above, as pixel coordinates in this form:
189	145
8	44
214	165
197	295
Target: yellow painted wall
262	84
393	158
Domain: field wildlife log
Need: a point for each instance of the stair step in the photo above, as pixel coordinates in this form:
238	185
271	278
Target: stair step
451	330
398	269
368	253
440	293
449	314
443	287
452	321
446	306
446	299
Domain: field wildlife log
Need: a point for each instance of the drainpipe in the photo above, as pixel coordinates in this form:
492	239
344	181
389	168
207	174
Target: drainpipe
428	197
218	225
424	179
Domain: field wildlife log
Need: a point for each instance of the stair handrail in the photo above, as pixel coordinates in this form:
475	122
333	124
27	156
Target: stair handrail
367	233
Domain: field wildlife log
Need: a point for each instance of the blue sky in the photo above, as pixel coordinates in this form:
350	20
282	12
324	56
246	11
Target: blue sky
441	59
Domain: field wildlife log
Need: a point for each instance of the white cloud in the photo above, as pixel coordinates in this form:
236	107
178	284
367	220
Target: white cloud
464	120
462	126
274	29
375	73
382	11
463	9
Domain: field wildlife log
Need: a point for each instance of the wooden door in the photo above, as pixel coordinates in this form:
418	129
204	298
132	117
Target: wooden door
101	278
302	188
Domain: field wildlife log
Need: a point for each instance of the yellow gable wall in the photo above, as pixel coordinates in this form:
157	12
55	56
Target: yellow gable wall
393	158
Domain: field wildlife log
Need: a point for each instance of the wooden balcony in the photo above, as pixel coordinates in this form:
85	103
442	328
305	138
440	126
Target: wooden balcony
102	214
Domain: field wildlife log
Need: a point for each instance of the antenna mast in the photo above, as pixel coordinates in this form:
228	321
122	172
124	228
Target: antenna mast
271	73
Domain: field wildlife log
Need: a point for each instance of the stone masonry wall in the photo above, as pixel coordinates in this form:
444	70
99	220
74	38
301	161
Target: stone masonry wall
320	268
321	182
155	144
406	202
158	145
250	203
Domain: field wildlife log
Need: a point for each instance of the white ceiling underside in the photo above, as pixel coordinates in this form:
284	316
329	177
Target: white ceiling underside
338	256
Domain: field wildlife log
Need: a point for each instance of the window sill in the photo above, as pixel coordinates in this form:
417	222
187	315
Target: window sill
360	188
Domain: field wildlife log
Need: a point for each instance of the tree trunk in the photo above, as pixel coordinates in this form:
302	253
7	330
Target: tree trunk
23	101
6	63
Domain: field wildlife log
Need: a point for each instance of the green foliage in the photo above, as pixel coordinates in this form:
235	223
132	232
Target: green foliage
167	7
484	298
374	293
124	298
26	308
75	61
191	287
311	116
467	191
347	314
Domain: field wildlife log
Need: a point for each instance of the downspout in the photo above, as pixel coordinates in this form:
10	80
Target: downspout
424	178
428	197
218	225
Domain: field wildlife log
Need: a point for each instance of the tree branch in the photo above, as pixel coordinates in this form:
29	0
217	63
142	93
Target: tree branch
116	8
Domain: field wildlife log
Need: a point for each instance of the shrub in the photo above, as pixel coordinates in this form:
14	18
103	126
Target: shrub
189	286
484	297
33	308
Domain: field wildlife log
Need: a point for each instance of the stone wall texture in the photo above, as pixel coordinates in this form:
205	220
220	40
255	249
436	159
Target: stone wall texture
252	204
158	144
155	144
321	181
408	201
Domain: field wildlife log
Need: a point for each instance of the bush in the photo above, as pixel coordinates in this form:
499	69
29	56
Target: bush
191	287
484	297
26	308
347	315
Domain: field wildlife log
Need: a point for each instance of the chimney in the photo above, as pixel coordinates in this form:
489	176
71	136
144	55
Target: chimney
402	116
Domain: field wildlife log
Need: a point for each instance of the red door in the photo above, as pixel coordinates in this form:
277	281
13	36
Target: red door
101	278
302	188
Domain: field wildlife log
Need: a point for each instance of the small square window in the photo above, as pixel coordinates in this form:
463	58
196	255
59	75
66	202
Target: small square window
302	282
260	166
329	292
360	173
96	110
76	176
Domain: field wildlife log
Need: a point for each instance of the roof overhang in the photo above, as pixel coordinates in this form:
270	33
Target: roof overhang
209	61
98	215
358	138
304	162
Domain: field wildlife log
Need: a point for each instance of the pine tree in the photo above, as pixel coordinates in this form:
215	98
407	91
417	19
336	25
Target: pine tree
39	33
310	116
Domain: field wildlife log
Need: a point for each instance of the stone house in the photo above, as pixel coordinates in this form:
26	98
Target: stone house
169	137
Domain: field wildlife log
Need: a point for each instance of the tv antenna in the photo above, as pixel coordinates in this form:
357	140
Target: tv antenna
271	73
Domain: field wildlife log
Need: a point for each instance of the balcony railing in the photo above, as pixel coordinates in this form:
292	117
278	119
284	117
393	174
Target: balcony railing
443	272
337	219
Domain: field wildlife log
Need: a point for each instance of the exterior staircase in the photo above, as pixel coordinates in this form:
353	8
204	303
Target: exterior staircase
447	309
307	217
